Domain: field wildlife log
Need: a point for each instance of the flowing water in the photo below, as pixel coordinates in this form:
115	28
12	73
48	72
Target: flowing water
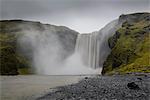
88	46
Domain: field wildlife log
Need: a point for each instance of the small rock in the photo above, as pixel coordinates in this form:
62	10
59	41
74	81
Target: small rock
132	85
145	75
139	78
86	77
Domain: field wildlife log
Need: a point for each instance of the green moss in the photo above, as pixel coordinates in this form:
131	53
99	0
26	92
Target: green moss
142	63
24	71
8	60
11	61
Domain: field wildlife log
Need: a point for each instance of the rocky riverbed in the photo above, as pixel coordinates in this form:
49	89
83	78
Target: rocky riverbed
118	87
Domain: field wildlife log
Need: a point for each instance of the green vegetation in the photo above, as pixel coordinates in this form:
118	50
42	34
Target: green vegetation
12	63
8	59
130	49
24	71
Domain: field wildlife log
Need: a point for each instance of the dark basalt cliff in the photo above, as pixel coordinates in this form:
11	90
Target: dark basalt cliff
15	62
130	46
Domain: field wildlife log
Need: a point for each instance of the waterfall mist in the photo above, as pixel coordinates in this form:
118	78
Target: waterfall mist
45	48
46	53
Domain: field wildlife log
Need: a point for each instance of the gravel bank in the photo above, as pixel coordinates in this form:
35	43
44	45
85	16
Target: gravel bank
129	87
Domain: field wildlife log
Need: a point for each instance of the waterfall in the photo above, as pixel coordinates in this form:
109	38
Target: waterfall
46	50
93	47
87	46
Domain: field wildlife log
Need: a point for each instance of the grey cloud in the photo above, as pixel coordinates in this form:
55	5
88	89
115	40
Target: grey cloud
73	13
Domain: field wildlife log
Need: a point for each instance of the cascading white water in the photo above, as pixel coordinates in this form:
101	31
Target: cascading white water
87	46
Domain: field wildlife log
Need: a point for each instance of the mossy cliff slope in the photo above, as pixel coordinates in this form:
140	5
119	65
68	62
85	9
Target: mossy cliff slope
15	62
130	46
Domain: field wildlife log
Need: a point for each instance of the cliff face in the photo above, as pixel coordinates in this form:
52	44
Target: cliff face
130	46
18	61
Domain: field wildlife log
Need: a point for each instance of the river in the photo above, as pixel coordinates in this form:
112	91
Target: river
29	87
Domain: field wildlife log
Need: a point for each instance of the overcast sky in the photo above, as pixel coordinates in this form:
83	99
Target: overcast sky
80	15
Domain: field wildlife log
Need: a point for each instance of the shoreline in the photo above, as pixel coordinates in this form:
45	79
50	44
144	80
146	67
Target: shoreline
118	87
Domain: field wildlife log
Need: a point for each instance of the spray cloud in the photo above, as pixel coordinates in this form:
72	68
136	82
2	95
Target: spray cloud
47	53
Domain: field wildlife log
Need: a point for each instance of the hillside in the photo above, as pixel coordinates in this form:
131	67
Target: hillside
130	46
